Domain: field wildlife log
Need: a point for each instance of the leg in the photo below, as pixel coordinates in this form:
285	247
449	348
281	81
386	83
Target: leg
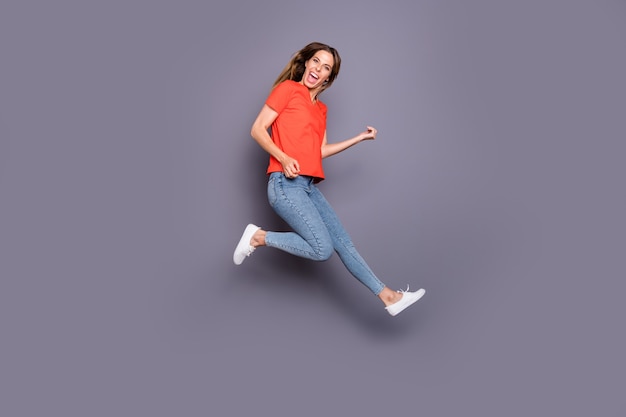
395	301
291	200
342	244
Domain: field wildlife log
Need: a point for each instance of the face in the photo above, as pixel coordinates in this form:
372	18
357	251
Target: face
317	70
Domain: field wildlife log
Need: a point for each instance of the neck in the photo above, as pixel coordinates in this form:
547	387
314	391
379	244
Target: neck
312	91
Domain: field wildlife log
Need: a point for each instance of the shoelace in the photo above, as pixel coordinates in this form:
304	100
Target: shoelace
250	250
403	291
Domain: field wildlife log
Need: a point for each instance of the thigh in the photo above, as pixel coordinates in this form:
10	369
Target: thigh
338	233
291	200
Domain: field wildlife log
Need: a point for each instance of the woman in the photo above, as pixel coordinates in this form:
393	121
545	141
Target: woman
297	145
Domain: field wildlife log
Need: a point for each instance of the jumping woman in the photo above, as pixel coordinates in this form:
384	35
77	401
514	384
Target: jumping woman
296	146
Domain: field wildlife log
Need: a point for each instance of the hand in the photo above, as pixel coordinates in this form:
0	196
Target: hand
369	134
291	167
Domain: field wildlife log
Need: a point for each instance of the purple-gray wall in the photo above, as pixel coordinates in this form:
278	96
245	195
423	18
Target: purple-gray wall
127	174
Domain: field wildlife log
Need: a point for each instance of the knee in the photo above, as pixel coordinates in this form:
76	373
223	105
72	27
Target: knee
323	252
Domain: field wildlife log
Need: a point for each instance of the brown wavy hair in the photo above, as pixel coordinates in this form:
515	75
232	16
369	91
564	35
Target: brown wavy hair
294	70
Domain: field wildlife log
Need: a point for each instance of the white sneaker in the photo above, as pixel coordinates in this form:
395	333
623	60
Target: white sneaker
244	249
407	299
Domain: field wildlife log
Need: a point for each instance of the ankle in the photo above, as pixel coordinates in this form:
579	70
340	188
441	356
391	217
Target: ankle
388	296
258	239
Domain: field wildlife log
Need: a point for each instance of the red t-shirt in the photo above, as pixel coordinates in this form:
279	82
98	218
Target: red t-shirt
299	128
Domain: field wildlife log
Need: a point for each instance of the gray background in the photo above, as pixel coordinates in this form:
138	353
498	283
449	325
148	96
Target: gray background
127	174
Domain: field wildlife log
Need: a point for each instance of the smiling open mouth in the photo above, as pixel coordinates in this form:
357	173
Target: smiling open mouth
313	78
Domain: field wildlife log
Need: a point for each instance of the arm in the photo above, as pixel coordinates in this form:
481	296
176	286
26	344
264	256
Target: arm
329	149
259	132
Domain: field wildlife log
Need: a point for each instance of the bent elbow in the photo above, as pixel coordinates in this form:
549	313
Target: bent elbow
253	131
256	131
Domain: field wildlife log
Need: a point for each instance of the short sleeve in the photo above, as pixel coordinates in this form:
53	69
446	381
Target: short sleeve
279	97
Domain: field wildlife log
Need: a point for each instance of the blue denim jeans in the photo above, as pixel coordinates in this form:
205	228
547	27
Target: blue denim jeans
317	231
